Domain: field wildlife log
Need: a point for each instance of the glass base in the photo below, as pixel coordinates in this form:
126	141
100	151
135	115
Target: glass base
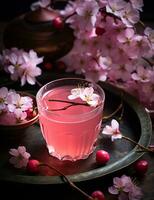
69	157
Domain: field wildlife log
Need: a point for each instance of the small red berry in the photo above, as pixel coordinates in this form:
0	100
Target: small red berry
48	66
141	166
98	195
102	157
33	166
30	113
99	31
58	23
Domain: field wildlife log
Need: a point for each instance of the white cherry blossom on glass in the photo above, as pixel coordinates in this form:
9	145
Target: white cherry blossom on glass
75	93
90	97
86	94
19	157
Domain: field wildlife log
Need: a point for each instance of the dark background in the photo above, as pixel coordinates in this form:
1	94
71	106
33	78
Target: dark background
12	8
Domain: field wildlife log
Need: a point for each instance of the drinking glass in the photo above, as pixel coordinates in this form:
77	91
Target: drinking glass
70	127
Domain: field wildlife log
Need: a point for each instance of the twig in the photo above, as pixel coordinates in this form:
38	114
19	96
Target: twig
141	146
148	61
113	113
70	102
39	84
68	106
67	180
140	22
121	114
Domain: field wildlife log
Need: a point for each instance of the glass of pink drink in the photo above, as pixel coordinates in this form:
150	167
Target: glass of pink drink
70	131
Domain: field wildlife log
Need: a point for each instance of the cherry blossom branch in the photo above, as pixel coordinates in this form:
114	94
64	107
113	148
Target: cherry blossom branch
67	180
148	61
141	146
68	106
113	113
69	16
140	22
39	84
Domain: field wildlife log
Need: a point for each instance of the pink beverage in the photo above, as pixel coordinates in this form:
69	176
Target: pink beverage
70	132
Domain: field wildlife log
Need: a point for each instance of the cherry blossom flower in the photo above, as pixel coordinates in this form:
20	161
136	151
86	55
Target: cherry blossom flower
42	4
19	157
21	65
90	97
88	12
112	130
129	15
19	102
86	94
115	6
125	189
126	36
13	106
142	74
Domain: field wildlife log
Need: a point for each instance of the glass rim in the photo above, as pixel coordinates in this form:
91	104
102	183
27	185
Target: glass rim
77	79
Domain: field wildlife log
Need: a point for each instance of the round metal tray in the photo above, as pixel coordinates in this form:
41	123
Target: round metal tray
135	124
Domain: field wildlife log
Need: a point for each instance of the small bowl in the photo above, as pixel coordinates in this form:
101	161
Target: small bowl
24	124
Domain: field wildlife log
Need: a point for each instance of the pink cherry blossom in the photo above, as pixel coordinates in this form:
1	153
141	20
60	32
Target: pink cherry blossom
88	12
28	74
21	65
142	74
112	130
121	72
19	102
115	6
19	157
129	15
20	115
13	106
126	36
125	189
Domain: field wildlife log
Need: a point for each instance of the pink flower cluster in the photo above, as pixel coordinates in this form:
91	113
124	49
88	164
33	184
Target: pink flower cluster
13	107
108	47
21	65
